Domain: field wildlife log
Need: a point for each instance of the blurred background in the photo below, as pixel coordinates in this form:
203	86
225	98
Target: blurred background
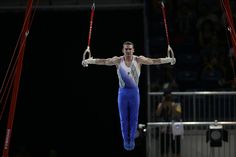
64	109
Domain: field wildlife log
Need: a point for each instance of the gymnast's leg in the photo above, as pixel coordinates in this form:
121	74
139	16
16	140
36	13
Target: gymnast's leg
134	102
123	112
128	103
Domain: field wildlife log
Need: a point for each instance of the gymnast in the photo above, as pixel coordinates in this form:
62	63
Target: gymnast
128	68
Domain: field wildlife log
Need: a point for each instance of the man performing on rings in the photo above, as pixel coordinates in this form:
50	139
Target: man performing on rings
128	70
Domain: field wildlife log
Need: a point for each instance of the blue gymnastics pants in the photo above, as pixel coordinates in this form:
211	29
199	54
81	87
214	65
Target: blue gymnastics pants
128	104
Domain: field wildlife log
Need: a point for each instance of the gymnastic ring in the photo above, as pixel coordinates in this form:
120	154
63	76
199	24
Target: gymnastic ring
85	52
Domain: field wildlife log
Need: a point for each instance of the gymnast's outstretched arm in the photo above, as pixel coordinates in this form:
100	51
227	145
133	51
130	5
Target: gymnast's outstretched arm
100	61
155	61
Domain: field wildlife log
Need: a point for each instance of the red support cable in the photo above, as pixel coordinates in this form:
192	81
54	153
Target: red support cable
91	23
16	81
165	22
229	18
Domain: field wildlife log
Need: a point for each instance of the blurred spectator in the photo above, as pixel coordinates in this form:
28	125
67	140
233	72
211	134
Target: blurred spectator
169	111
168	81
184	20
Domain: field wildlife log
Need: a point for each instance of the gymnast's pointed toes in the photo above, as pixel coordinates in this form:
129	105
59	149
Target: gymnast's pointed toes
129	146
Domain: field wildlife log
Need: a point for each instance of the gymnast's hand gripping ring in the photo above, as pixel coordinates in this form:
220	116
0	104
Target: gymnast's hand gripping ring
170	53
84	56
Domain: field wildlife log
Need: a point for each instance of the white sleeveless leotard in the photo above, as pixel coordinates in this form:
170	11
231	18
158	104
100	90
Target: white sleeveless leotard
128	76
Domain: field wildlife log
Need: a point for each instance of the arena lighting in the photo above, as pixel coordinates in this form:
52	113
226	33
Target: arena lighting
142	127
216	134
141	131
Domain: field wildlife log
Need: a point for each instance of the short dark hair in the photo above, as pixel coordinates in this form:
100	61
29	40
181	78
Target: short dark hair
128	43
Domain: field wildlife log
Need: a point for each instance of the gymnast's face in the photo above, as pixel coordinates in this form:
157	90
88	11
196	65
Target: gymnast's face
128	50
